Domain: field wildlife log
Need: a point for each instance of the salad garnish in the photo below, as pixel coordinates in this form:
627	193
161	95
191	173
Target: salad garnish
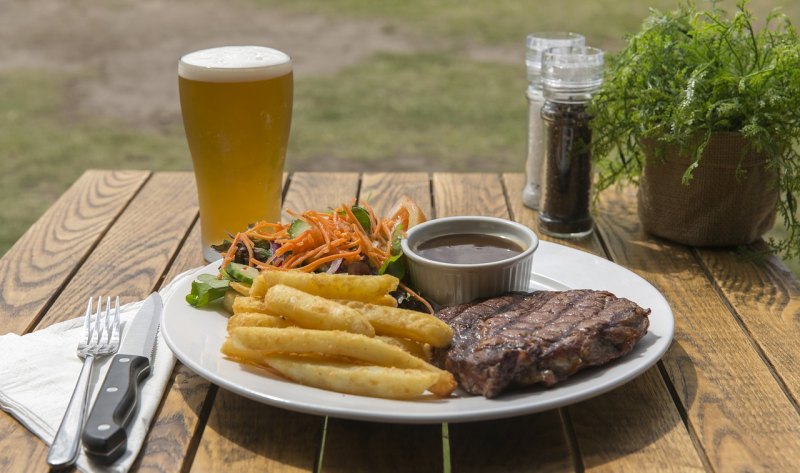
349	239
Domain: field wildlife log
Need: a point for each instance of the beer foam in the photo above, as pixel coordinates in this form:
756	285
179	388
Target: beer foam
234	64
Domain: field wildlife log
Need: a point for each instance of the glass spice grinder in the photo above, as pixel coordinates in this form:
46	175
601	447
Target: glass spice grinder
570	75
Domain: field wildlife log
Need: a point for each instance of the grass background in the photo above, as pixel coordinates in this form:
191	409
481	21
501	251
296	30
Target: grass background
454	102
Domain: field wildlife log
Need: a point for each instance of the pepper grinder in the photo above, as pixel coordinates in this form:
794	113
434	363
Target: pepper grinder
536	45
570	76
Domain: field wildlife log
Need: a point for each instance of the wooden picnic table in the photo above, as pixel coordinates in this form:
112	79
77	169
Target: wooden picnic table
723	398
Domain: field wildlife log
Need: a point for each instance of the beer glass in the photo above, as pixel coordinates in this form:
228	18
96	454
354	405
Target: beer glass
236	103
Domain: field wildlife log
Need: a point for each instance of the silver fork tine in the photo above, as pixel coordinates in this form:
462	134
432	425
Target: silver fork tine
87	323
114	335
102	317
95	335
107	323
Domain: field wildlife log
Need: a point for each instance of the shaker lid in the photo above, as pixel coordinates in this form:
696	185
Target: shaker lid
538	43
572	69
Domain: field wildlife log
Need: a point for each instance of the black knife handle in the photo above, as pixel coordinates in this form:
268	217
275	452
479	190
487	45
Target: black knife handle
104	436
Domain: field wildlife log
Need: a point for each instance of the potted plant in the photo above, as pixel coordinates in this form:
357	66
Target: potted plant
702	111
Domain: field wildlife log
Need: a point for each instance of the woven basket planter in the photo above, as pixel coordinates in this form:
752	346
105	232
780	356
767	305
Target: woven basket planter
717	208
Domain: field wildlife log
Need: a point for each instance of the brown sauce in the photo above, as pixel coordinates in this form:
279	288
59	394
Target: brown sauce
468	248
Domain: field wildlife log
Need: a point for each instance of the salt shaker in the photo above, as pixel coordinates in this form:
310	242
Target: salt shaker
569	77
537	43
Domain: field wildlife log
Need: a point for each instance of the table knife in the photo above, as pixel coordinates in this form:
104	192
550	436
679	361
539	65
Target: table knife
104	436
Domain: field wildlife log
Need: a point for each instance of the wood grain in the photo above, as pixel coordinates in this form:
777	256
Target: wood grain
129	260
20	450
641	427
469	194
525	443
362	446
135	252
634	428
177	422
180	416
189	256
318	191
254	437
740	415
45	257
383	190
352	446
766	297
244	435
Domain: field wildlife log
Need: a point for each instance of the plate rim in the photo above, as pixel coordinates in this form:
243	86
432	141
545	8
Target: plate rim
594	389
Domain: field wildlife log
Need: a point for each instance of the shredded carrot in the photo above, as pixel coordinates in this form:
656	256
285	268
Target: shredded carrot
336	234
418	297
329	234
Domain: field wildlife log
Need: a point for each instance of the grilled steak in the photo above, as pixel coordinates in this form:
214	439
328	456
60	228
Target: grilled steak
542	337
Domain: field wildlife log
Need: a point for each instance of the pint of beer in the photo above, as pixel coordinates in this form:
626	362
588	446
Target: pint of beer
236	103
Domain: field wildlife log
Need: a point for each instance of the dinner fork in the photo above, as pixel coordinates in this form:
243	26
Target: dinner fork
100	338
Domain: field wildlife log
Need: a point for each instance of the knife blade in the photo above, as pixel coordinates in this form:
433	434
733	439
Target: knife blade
104	436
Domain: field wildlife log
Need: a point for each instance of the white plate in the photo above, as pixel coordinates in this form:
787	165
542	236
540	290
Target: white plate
195	335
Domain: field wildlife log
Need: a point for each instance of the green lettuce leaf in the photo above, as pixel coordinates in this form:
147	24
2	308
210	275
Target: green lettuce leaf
206	288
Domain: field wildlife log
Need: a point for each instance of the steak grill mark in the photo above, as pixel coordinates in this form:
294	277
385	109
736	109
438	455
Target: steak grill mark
542	337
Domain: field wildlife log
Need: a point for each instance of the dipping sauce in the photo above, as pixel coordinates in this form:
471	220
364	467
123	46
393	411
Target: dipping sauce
468	248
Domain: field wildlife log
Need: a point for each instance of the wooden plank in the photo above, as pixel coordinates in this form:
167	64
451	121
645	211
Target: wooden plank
244	435
178	419
184	411
136	251
502	445
766	296
364	446
129	261
634	428
739	414
352	446
34	270
469	194
190	255
318	191
525	443
383	190
254	437
642	428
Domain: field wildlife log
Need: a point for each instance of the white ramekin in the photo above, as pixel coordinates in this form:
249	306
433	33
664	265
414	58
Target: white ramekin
450	284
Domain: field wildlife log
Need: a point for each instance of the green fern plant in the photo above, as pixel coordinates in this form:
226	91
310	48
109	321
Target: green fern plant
689	73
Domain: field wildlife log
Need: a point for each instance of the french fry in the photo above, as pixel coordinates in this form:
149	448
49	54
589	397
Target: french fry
385	300
374	381
332	343
249	304
307	310
405	323
259	286
229	299
418	349
255	319
242	289
330	286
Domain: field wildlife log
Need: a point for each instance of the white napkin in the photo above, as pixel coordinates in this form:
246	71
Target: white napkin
38	372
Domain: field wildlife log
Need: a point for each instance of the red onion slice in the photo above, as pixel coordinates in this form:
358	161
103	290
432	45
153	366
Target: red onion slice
334	266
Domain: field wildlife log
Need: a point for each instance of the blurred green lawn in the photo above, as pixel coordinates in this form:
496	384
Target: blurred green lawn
433	109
